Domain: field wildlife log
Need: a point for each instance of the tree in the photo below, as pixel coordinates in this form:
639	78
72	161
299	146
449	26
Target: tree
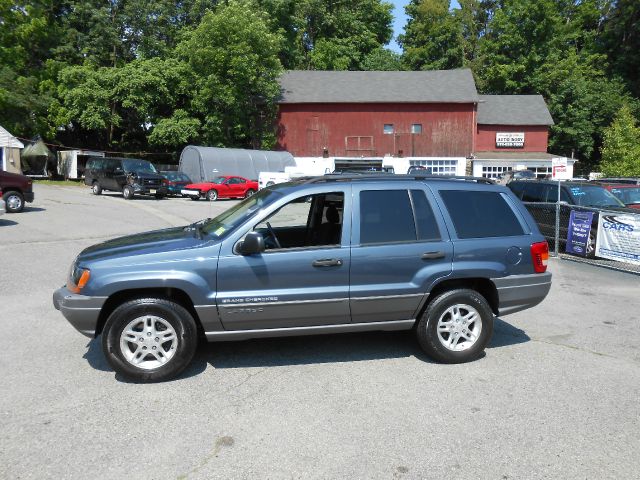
383	59
329	35
234	59
621	147
433	36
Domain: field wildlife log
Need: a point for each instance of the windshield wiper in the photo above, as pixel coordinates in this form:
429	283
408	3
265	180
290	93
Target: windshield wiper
198	228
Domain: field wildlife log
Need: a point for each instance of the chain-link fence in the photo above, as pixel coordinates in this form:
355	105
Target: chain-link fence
554	221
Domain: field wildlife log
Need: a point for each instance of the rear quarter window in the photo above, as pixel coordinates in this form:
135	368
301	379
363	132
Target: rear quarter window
480	214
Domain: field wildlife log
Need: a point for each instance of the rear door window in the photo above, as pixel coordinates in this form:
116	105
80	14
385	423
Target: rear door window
386	216
481	214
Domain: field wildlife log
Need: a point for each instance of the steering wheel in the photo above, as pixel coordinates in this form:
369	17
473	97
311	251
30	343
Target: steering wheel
273	235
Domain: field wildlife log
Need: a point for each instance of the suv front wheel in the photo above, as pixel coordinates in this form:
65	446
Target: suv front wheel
149	339
456	326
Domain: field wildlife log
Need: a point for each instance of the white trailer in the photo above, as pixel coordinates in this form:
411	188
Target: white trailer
71	163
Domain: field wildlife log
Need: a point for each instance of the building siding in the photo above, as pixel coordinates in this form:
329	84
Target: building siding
535	137
355	130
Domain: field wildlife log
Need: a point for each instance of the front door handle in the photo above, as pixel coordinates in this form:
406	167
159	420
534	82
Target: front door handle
432	255
327	262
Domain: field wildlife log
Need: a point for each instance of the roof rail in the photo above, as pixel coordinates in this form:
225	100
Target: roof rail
365	176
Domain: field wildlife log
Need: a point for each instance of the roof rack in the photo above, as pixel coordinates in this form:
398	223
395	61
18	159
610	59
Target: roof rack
365	176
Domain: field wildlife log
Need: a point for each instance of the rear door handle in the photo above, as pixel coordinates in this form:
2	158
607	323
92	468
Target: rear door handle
432	255
327	262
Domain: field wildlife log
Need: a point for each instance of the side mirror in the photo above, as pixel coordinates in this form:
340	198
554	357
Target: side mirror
252	244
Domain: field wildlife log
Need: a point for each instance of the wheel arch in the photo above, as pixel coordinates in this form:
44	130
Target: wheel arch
173	294
483	286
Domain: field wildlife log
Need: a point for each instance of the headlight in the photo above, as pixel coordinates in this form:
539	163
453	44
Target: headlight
78	278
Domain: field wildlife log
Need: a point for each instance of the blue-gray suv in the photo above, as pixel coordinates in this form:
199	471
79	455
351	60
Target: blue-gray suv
317	255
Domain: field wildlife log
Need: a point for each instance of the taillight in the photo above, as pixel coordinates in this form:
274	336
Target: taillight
540	256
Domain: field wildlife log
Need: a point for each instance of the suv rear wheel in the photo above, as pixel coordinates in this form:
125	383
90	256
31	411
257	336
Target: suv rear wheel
14	201
456	326
149	339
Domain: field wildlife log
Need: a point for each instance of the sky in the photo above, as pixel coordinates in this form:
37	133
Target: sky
400	20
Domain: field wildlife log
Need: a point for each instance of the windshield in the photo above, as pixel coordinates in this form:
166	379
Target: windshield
236	215
177	177
219	180
594	196
628	196
133	165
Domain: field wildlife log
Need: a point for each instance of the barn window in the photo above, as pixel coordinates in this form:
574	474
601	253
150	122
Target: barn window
416	128
388	128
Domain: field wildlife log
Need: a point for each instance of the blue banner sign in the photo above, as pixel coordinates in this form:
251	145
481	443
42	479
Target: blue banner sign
578	234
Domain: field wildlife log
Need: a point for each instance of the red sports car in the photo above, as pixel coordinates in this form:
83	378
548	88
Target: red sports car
221	187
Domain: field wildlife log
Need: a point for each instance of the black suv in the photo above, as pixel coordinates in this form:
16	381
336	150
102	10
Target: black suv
318	255
130	176
540	197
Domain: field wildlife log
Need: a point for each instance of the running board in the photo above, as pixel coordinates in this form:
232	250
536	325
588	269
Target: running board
230	335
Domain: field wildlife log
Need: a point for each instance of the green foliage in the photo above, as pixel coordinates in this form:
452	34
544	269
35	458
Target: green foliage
433	36
383	59
621	148
329	35
234	58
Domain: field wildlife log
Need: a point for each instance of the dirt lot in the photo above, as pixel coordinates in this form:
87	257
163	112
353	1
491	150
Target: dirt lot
556	395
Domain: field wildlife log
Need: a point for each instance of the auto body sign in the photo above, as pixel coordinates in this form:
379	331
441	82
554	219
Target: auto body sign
619	237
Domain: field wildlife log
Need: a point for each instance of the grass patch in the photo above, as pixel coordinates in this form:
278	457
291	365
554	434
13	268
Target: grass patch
60	183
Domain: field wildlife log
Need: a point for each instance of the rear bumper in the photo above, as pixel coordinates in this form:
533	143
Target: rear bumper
80	310
28	197
519	292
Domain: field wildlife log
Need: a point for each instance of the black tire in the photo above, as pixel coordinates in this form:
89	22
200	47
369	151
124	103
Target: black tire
96	188
269	183
179	353
591	244
194	198
427	329
249	193
128	192
14	201
212	195
159	196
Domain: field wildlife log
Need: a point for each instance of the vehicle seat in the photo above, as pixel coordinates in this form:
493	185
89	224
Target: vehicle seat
329	232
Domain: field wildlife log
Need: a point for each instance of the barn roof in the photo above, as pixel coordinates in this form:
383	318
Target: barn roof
513	110
434	86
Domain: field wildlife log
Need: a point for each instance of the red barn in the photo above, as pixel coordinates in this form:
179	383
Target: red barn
346	113
434	118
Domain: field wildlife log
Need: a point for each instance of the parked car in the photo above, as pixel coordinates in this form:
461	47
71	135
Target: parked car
322	255
627	193
221	187
511	175
631	180
131	176
541	196
419	169
176	181
17	189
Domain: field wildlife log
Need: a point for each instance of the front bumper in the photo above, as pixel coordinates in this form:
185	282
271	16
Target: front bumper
81	311
190	193
149	190
519	292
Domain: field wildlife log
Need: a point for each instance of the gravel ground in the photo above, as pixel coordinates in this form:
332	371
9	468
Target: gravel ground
556	395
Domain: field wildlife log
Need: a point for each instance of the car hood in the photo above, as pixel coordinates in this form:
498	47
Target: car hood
157	241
